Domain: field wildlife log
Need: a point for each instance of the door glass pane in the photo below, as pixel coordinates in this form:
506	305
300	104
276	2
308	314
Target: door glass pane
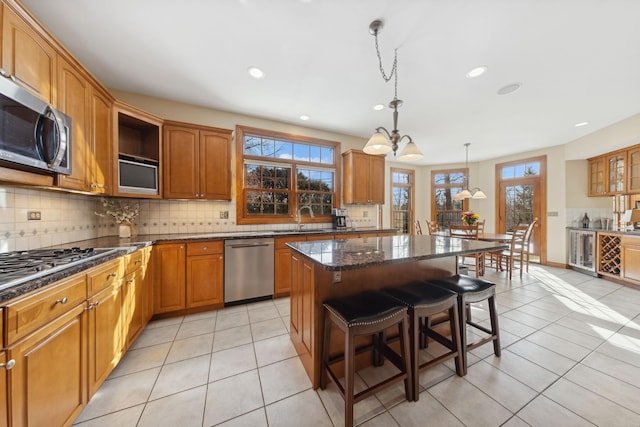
519	205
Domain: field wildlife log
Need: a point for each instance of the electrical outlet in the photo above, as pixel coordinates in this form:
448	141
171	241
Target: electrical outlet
34	215
224	214
337	276
365	214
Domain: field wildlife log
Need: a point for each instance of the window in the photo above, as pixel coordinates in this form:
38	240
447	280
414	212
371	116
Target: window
402	204
280	173
445	184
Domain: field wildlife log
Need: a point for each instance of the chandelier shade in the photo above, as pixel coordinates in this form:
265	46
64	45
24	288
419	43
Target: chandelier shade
382	141
474	193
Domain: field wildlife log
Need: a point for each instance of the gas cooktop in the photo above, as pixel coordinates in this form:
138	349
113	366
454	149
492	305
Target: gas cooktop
21	266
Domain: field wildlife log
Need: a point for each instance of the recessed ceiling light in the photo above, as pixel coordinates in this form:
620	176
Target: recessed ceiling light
304	117
477	71
255	72
378	107
581	124
512	87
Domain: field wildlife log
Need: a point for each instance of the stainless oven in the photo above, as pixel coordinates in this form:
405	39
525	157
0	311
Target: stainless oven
33	135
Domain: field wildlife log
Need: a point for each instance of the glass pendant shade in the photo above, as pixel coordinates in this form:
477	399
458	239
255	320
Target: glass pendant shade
378	144
410	153
479	194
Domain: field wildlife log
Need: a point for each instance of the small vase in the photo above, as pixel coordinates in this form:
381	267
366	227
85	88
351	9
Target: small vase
124	230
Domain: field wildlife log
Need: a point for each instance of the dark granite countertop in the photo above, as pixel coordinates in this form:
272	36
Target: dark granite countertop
356	253
601	230
134	243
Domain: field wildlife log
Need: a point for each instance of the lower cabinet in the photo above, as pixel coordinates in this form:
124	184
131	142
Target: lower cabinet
106	345
188	275
630	259
48	381
169	277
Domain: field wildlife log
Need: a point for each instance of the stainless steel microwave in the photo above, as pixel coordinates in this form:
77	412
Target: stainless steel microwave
33	135
137	177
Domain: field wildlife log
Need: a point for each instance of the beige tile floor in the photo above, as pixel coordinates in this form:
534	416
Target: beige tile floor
571	357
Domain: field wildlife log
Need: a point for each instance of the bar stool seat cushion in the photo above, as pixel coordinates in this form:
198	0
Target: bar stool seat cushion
420	294
366	308
462	284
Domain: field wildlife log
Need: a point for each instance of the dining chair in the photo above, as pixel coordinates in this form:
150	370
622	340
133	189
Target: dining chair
469	232
527	243
481	227
418	227
507	259
432	226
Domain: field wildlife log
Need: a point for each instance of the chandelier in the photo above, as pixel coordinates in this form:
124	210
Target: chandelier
474	193
383	141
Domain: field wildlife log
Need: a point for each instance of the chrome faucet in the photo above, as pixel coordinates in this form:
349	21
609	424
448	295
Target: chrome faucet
299	215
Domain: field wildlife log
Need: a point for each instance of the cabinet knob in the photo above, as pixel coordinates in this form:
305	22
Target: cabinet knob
62	301
10	364
205	248
138	261
113	274
130	280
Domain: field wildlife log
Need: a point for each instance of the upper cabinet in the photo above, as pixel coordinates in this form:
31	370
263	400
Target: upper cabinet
617	172
100	169
633	170
27	57
363	178
197	162
137	138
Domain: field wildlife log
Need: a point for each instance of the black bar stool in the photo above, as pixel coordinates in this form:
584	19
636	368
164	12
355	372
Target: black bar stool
425	301
470	290
367	313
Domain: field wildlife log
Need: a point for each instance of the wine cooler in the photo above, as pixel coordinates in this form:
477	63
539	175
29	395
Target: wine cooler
582	254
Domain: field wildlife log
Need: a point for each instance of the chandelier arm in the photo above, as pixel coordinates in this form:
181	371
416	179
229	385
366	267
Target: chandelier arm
378	129
406	136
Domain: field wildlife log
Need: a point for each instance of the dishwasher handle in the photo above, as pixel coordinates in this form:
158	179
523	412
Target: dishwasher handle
249	245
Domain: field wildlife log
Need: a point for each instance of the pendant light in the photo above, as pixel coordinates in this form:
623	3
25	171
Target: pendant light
474	193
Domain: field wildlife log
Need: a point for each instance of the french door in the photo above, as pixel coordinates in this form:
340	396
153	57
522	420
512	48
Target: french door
522	199
402	200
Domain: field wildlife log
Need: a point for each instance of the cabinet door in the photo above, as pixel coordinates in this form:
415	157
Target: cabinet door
169	278
106	343
180	162
133	306
616	173
215	165
282	276
73	100
633	170
205	278
48	381
27	57
597	176
361	187
376	180
4	404
100	163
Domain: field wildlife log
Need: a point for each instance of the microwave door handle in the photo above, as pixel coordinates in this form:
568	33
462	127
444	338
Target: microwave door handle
63	139
37	133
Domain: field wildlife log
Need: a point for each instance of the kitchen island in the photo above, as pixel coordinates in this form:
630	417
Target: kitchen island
336	268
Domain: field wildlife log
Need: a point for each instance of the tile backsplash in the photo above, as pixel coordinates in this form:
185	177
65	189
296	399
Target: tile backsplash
69	217
575	215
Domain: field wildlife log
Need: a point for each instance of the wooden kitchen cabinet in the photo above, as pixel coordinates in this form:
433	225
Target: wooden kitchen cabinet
630	259
597	175
197	162
4	383
363	178
27	57
169	277
633	170
100	145
48	381
282	266
105	334
205	274
73	100
616	166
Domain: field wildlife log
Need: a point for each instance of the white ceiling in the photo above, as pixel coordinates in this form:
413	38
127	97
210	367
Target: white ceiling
577	61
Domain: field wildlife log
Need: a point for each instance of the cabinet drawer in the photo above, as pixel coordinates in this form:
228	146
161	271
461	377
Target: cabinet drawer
205	248
31	312
104	275
133	261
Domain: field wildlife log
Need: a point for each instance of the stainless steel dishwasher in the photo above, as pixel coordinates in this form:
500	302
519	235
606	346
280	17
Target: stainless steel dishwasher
248	268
